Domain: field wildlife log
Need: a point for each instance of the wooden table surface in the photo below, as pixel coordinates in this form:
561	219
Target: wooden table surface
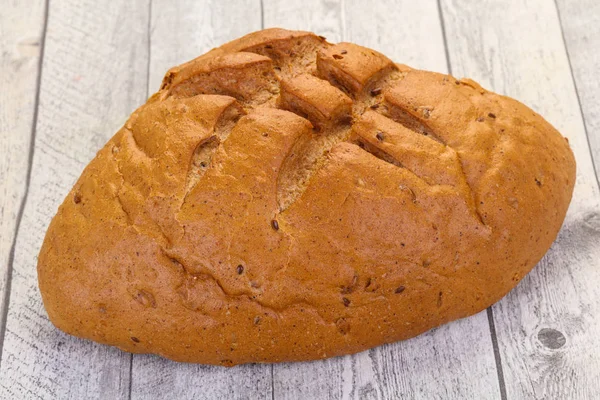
71	71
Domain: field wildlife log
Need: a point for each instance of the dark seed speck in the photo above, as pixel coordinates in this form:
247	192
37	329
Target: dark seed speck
399	289
275	224
376	92
240	269
346	301
380	136
492	115
134	339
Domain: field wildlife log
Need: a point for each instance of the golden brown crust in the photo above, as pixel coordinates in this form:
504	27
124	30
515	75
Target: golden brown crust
282	198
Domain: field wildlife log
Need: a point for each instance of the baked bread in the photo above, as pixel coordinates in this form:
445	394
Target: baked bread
283	198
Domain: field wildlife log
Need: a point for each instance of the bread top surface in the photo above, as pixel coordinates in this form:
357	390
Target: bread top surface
283	198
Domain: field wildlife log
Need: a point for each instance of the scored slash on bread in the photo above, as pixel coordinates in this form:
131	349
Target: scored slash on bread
283	198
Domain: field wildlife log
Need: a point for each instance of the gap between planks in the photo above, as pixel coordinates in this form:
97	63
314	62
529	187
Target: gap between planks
148	64
11	257
490	311
579	104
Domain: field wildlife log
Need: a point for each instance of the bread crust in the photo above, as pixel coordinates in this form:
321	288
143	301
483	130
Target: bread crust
282	198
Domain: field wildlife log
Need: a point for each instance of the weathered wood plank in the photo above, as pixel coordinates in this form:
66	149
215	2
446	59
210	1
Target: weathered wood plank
320	16
548	327
181	30
184	29
409	32
579	20
21	36
453	361
93	76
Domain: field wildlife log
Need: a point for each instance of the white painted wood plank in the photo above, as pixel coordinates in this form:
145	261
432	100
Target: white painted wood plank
409	32
182	30
581	28
323	17
548	327
94	74
453	361
21	31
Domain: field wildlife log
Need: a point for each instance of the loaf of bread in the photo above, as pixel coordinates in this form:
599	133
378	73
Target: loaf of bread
283	198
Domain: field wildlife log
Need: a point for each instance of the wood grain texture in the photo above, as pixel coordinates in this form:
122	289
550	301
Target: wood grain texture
21	31
548	327
182	30
453	361
580	22
94	75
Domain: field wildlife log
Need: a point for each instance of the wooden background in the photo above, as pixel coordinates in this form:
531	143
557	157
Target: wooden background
71	71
